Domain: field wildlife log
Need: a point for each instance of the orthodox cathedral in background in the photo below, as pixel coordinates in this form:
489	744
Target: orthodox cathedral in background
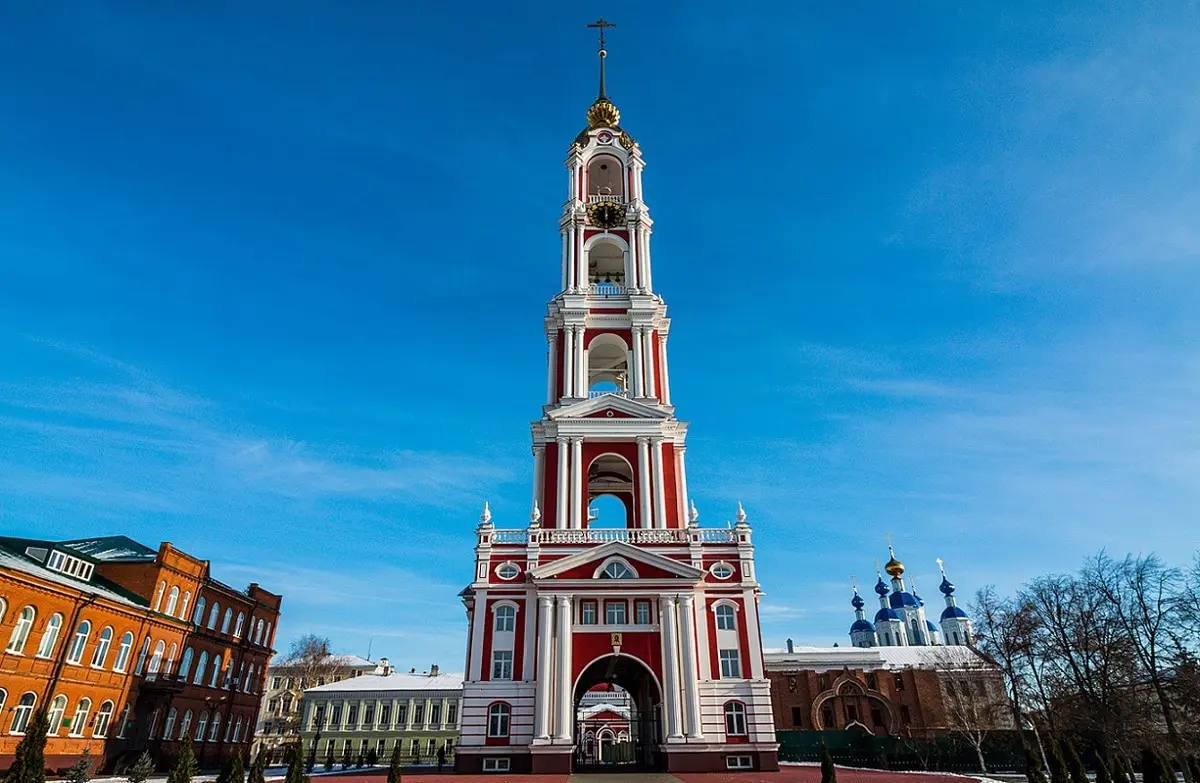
901	620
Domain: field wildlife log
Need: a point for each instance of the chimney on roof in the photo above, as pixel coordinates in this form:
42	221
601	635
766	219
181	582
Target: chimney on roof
789	646
433	670
385	667
413	670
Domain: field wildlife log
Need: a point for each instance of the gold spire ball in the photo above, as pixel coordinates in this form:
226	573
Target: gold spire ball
602	114
893	566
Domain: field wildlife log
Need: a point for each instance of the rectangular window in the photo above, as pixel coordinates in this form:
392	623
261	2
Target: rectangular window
898	681
642	613
385	715
502	661
401	714
797	716
352	715
827	721
495	765
587	613
731	664
876	716
452	714
418	714
435	713
738	762
369	715
335	715
275	681
851	713
872	681
614	612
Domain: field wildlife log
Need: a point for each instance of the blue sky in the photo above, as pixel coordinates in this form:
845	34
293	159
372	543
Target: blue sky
273	277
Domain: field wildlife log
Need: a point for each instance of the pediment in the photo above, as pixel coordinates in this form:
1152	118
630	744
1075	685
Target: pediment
649	565
598	407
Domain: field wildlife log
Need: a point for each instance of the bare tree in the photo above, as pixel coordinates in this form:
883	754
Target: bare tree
974	708
308	663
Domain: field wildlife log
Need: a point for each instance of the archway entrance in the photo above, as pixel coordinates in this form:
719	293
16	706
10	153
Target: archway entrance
617	706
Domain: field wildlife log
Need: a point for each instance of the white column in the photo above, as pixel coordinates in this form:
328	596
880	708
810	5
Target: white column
477	621
566	725
542	704
566	246
562	491
581	265
570	262
647	280
660	496
753	636
539	468
700	613
670	665
581	362
648	357
634	282
552	369
568	368
578	501
527	644
691	691
664	393
638	369
681	483
646	520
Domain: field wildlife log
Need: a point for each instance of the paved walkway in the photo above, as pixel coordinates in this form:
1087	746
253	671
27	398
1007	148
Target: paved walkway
787	774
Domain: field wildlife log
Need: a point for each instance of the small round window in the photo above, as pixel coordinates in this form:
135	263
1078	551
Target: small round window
508	571
721	570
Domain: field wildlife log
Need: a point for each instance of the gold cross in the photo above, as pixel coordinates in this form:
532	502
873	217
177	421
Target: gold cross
601	25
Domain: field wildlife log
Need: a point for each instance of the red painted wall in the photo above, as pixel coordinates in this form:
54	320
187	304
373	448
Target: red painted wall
627	450
643	645
671	489
592	334
550	486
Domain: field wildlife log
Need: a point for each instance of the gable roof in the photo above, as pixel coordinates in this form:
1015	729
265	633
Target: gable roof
112	549
13	556
631	408
617	549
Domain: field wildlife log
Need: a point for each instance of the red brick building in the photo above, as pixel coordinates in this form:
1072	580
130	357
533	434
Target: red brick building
885	691
127	648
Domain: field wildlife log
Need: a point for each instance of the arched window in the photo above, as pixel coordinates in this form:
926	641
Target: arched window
237	627
20	632
156	659
605	177
21	713
267	635
3	700
122	661
3	609
158	594
79	722
198	617
102	645
183	609
617	569
200	667
75	654
216	677
172	601
229	728
258	628
141	661
54	717
200	726
215	730
50	636
735	719
169	726
237	730
726	618
170	659
498	715
185	663
506	618
102	719
226	621
185	725
213	615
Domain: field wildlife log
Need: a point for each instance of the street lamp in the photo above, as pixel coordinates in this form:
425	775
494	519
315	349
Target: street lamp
320	723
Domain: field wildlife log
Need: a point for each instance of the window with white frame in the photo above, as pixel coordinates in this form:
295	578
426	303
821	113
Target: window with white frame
50	636
141	661
55	716
199	616
739	762
731	664
21	713
123	651
614	612
102	719
506	618
102	645
618	569
498	717
20	632
79	722
587	612
496	764
79	642
721	570
201	724
502	665
172	601
735	719
642	614
726	618
508	571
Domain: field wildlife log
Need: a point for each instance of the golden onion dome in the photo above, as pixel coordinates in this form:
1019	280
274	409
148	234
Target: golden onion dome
894	567
603	114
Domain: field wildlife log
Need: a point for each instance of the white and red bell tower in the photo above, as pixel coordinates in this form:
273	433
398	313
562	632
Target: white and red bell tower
663	608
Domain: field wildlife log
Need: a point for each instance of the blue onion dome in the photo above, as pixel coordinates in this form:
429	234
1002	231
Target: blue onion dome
929	624
857	602
920	601
899	600
881	588
883	615
947	587
862	625
952	612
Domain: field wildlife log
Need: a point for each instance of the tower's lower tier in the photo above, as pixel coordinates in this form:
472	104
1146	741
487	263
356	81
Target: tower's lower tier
562	760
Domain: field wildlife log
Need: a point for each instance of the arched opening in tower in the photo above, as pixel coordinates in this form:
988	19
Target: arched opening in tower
610	492
608	366
617	708
606	267
605	178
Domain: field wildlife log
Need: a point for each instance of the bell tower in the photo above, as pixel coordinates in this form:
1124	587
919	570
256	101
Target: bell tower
660	616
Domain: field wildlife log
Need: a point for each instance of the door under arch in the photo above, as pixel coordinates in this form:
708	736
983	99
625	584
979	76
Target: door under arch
617	706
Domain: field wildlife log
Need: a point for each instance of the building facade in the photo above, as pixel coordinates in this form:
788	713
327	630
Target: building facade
279	720
901	620
659	606
886	691
377	711
127	648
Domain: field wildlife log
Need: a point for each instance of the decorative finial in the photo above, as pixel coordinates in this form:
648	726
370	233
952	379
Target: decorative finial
741	514
603	113
486	516
941	566
693	514
893	566
535	519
